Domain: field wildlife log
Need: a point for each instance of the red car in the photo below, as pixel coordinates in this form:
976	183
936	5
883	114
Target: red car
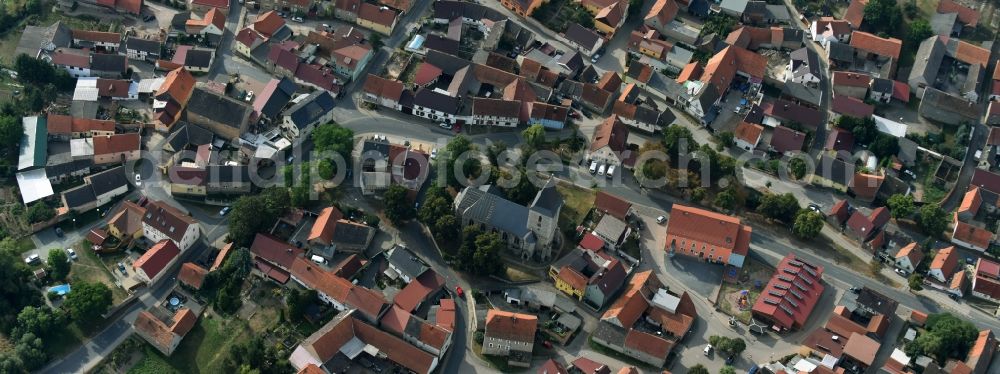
459	292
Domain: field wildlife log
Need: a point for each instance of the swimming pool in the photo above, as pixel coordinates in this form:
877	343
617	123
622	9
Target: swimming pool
61	289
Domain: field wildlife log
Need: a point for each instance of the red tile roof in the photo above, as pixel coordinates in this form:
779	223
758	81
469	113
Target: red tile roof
973	235
784	139
691	227
110	144
840	140
63	124
70	57
972	54
275	251
663	10
418	290
446	314
156	258
648	343
966	15
748	132
913	252
326	223
219	258
192	275
248	36
163	217
866	185
972	200
886	47
395	320
588	366
795	287
631	304
611	204
691	71
987	268
383	88
851	79
856	13
377	15
511	326
591	242
611	133
224	4
901	91
426	74
851	107
268	23
572	278
861	348
946	260
97	36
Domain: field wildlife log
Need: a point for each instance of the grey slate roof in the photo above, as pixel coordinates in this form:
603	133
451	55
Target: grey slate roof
35	38
480	205
282	95
406	262
436	101
804	61
572	61
882	85
218	108
841	52
79	196
583	37
927	62
67	168
802	93
449	10
311	108
189	135
351	233
709	95
199	58
547	201
943	23
834	169
448	64
228	174
143	45
108	62
108	180
179	21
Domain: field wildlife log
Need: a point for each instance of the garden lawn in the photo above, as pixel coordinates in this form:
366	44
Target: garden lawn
205	347
89	267
577	202
152	363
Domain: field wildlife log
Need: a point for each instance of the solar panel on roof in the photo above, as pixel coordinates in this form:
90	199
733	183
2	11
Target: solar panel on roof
785	278
790	271
810	271
795	263
789	311
771	301
775	293
798	295
799	286
781	286
792	302
807	280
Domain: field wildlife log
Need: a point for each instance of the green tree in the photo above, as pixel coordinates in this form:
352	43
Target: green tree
335	138
40	321
376	40
883	16
797	167
256	213
725	199
487	257
16	291
11	130
455	149
58	264
725	138
299	301
40	212
916	282
901	206
946	336
718	24
30	351
735	346
919	30
326	169
397	204
651	168
523	192
808	224
884	146
698	369
781	207
932	219
698	194
434	207
534	136
88	301
727	370
257	354
446	228
676	137
864	129
494	150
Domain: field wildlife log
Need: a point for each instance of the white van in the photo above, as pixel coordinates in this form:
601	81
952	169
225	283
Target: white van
319	260
611	171
593	167
600	170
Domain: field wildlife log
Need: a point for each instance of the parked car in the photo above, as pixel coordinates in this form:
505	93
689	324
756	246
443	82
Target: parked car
444	126
611	171
121	268
59	232
901	272
708	349
814	207
730	359
71	253
600	170
593	167
547	344
138	180
249	96
855	290
459	292
148	17
225	211
32	259
661	219
434	153
297	19
593	59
